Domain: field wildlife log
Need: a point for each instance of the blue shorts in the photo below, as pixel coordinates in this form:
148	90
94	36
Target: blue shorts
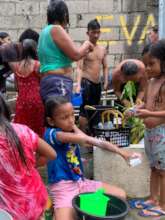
56	85
154	140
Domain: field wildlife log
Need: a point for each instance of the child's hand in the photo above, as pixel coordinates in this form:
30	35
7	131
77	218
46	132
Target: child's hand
130	112
143	113
127	155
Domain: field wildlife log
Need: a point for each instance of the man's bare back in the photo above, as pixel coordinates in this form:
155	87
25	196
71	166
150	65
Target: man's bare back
119	79
92	64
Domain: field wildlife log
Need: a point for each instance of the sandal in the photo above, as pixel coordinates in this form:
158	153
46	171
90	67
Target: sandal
140	204
152	212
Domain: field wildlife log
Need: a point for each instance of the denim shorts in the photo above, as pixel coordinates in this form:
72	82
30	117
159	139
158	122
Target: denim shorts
56	85
155	146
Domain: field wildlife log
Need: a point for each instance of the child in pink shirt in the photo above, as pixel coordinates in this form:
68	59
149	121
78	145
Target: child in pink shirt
22	193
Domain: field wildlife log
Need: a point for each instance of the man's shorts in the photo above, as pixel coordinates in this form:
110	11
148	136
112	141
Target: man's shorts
155	146
91	93
64	191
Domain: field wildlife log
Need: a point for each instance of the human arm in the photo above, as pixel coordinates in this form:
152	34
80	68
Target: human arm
66	44
158	113
142	86
81	138
105	70
79	75
144	113
45	153
117	88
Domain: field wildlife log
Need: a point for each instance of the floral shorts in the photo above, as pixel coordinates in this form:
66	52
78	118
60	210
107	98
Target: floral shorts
155	146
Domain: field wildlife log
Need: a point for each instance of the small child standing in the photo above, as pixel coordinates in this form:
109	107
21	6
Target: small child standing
153	113
65	174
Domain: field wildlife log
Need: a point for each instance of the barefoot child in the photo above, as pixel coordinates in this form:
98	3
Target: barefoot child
65	174
89	72
153	113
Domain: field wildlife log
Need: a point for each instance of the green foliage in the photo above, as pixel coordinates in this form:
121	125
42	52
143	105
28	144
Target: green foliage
137	129
129	92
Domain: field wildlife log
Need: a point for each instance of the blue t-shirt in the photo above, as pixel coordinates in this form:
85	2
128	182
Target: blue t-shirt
68	164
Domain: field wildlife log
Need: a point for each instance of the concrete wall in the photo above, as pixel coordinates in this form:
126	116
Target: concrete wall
124	22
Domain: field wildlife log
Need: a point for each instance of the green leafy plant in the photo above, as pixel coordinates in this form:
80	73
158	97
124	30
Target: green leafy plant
129	92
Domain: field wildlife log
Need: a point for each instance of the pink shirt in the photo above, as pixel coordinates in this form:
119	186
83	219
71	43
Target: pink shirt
22	192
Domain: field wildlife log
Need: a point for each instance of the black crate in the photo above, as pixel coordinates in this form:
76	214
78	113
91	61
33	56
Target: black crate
119	136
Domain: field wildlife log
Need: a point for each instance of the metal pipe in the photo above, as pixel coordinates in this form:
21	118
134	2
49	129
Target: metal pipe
161	19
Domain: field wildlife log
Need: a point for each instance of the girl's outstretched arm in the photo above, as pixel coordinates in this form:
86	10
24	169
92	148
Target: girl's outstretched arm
112	147
81	138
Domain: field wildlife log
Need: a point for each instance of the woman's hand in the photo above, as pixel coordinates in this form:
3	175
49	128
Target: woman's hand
88	46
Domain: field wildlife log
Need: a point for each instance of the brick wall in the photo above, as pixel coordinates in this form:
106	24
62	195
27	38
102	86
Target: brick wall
124	22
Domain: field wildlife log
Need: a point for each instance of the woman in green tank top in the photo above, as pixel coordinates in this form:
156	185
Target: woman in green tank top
56	51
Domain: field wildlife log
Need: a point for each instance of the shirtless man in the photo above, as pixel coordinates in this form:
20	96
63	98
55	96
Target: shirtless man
89	72
129	70
153	113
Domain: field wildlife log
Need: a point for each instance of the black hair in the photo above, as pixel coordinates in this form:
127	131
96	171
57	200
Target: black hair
146	48
155	29
9	132
51	105
29	49
93	25
129	68
11	52
29	34
3	35
57	11
158	51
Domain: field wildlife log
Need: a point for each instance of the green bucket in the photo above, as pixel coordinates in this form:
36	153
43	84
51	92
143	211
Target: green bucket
94	203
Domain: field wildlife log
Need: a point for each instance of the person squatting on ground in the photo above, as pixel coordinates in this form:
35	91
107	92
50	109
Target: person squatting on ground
65	174
89	73
129	70
153	114
57	51
22	192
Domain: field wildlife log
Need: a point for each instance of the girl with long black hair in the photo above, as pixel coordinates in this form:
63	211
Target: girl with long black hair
22	193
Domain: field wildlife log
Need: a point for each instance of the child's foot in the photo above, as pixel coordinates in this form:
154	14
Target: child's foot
154	211
141	204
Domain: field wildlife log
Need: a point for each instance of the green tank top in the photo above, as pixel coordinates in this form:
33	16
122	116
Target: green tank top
51	57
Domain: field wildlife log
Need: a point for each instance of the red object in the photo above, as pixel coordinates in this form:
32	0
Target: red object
29	105
22	192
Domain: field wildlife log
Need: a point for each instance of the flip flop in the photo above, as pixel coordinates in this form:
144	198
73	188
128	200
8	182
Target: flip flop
152	212
139	204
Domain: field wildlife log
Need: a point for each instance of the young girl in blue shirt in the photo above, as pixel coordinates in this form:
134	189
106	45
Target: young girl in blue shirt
65	174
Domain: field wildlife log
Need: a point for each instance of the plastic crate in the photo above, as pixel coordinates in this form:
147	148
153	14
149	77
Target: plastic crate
119	136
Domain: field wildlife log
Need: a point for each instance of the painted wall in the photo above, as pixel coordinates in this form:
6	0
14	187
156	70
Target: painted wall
124	22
